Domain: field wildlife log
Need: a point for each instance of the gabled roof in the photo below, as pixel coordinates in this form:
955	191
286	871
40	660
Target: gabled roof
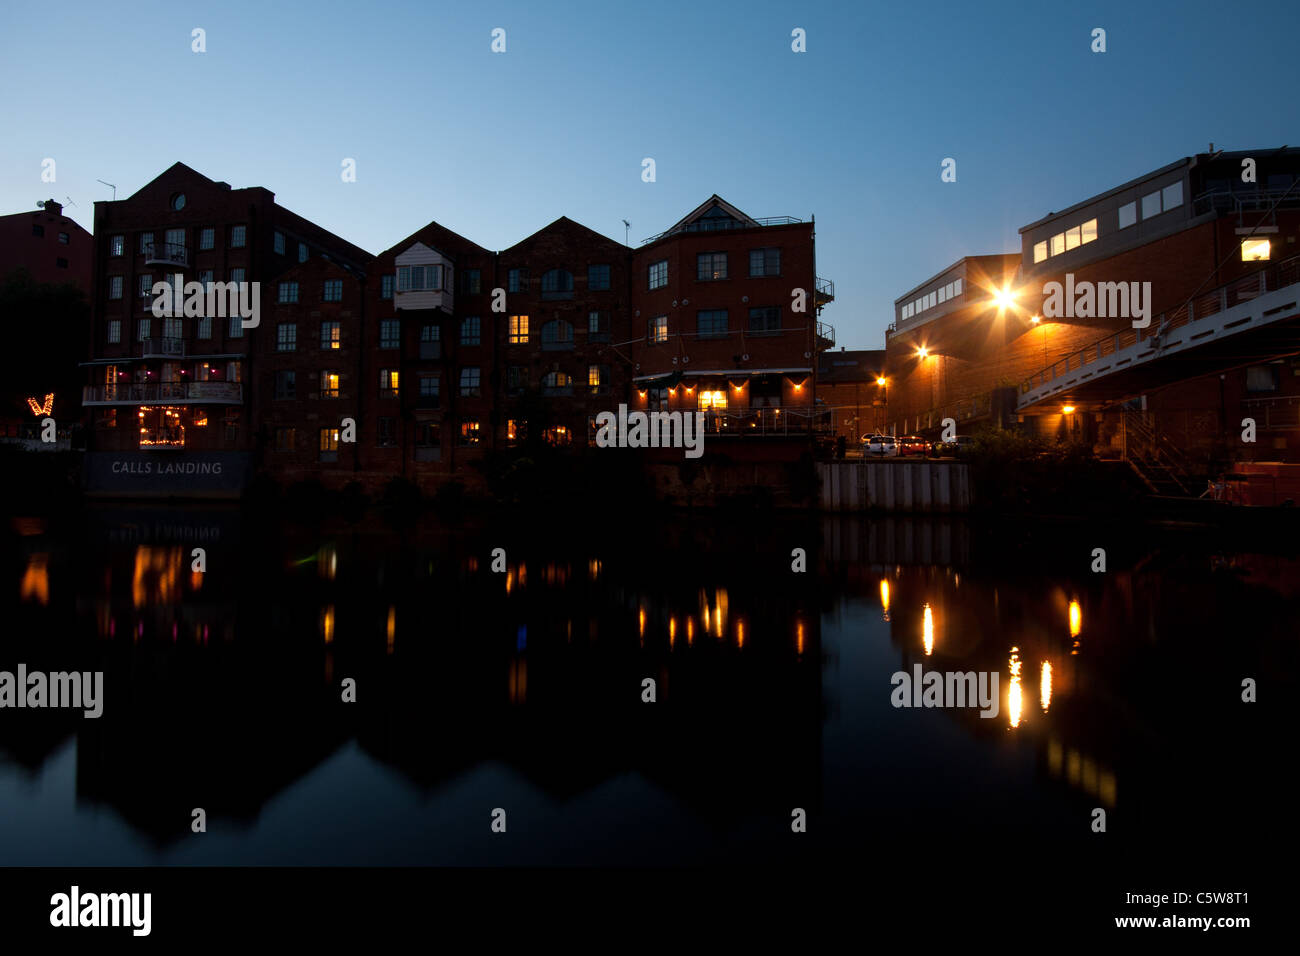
563	224
713	201
440	239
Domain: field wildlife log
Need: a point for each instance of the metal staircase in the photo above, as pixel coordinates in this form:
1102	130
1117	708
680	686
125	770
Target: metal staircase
1160	463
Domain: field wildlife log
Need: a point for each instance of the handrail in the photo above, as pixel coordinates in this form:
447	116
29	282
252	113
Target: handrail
723	225
1286	272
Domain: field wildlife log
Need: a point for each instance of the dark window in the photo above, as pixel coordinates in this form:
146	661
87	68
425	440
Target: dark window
63	238
286	337
597	278
387	432
516	377
712	324
286	386
38	230
469	330
237	237
517	280
469	382
116	245
390	334
285	439
207	237
471	281
430	386
279	243
333	290
557	334
764	262
386	287
659	274
765	319
331	335
61	262
557	284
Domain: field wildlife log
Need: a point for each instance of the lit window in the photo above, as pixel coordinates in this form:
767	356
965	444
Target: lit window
518	330
1089	231
469	432
388	380
717	400
330	335
1058	243
658	329
710	266
329	384
1072	239
1255	250
593	376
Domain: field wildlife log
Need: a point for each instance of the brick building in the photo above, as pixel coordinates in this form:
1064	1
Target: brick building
48	244
964	343
852	386
422	360
725	321
169	400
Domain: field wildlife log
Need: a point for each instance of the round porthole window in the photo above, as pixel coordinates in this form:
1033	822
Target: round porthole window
178	202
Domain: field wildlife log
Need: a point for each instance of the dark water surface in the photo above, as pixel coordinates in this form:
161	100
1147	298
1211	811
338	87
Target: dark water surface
522	690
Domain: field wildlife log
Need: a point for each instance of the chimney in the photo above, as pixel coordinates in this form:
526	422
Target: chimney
52	207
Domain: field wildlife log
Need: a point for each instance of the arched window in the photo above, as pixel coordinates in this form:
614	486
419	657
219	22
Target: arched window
557	284
557	334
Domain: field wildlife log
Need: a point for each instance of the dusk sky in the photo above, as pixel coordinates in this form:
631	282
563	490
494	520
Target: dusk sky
495	146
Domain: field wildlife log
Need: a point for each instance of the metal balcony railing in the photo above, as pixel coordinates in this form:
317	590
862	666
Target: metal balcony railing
166	254
162	348
722	225
825	290
139	393
826	333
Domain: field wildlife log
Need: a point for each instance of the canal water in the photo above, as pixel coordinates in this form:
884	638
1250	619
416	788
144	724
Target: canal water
515	681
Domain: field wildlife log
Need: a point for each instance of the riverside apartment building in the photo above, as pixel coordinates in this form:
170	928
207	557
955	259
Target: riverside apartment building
420	361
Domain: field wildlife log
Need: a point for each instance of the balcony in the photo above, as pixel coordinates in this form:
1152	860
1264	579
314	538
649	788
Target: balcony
825	291
137	393
825	336
162	348
166	254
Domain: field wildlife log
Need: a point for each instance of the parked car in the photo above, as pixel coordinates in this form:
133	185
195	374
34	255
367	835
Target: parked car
882	446
959	446
913	445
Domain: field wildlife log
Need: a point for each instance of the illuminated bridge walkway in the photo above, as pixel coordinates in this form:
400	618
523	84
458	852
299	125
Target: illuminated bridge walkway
1252	320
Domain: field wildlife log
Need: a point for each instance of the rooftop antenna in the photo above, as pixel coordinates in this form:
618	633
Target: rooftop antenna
627	227
111	186
68	201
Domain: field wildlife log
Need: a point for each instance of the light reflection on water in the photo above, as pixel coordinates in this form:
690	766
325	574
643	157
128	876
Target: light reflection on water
544	677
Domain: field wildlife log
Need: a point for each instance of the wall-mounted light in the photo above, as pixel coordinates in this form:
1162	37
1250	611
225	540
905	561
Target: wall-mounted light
881	380
1068	409
922	352
1036	319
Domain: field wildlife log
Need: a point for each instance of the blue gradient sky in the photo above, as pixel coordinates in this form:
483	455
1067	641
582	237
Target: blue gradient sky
497	146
